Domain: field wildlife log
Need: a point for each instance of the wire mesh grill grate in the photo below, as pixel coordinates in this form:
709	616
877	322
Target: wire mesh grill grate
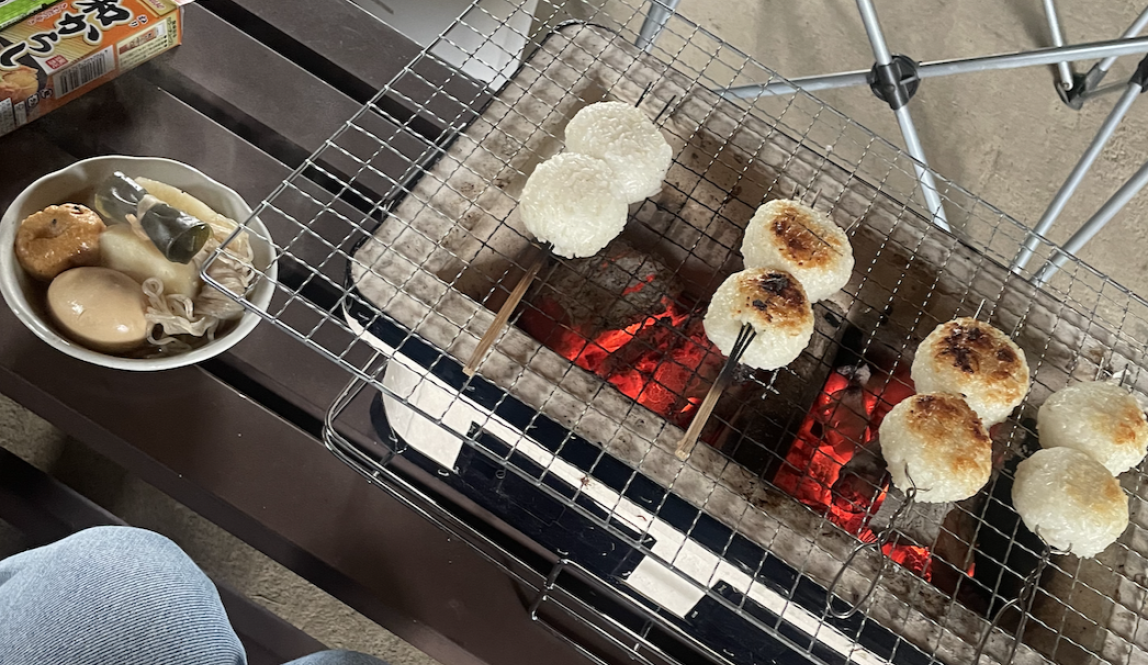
396	240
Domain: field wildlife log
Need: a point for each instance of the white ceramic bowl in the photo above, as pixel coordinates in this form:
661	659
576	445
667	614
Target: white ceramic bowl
74	185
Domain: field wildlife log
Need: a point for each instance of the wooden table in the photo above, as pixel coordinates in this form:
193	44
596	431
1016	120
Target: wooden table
255	88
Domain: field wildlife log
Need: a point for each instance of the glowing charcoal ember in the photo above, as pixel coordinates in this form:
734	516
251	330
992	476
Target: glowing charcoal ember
913	557
664	362
620	315
840	427
833	428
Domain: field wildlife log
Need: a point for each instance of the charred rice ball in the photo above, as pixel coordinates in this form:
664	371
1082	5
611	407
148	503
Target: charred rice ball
1100	419
629	142
774	303
938	444
1070	500
790	236
971	358
569	201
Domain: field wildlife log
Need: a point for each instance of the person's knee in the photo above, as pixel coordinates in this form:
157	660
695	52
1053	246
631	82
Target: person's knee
116	539
115	552
338	657
121	582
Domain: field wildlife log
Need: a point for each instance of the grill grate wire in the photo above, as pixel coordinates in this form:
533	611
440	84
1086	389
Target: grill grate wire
360	242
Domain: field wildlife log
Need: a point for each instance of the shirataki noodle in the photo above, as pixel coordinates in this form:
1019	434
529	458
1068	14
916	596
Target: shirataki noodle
172	315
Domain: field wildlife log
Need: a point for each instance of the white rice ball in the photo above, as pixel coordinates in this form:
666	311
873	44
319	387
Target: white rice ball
569	201
936	443
1100	419
971	358
774	303
790	236
623	136
1070	500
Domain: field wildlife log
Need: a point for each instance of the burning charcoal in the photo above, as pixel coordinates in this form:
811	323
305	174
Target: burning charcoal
837	426
672	366
615	289
618	315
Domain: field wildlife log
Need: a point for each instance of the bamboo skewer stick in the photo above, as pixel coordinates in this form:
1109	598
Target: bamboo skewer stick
725	377
504	313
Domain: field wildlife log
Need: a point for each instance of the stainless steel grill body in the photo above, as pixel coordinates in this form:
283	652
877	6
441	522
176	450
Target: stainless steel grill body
388	277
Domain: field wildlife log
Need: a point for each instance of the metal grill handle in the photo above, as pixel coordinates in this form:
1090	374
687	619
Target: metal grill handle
1023	600
877	545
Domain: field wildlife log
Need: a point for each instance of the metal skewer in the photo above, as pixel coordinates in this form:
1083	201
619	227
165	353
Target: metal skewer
666	107
812	203
878	544
725	377
507	309
645	91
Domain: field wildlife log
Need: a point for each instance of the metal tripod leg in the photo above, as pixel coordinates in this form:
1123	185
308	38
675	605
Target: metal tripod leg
1093	226
904	119
1040	57
1095	75
1076	176
1063	70
656	18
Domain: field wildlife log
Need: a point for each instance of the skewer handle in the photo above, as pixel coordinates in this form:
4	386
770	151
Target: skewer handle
504	313
686	445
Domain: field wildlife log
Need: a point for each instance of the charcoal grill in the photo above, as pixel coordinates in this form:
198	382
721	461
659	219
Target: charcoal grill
395	280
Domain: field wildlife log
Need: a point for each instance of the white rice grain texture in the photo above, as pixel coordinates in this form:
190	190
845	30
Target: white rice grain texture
771	301
569	201
937	444
790	236
1097	418
1070	500
971	358
626	138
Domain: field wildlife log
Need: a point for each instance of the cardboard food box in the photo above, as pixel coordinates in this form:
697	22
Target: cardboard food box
58	54
14	10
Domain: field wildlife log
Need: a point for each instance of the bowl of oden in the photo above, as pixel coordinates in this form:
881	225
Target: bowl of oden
103	261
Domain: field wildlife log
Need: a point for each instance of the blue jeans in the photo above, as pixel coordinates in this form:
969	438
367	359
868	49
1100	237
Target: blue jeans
123	596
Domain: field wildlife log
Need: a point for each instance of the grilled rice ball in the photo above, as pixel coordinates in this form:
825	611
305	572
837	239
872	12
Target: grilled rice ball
1070	500
1100	419
569	201
971	358
774	303
790	236
937	444
628	141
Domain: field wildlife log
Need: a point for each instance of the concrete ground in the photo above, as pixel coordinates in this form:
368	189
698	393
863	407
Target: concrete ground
1004	135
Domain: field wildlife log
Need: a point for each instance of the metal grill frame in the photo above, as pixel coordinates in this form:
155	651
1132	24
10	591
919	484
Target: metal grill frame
1105	309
